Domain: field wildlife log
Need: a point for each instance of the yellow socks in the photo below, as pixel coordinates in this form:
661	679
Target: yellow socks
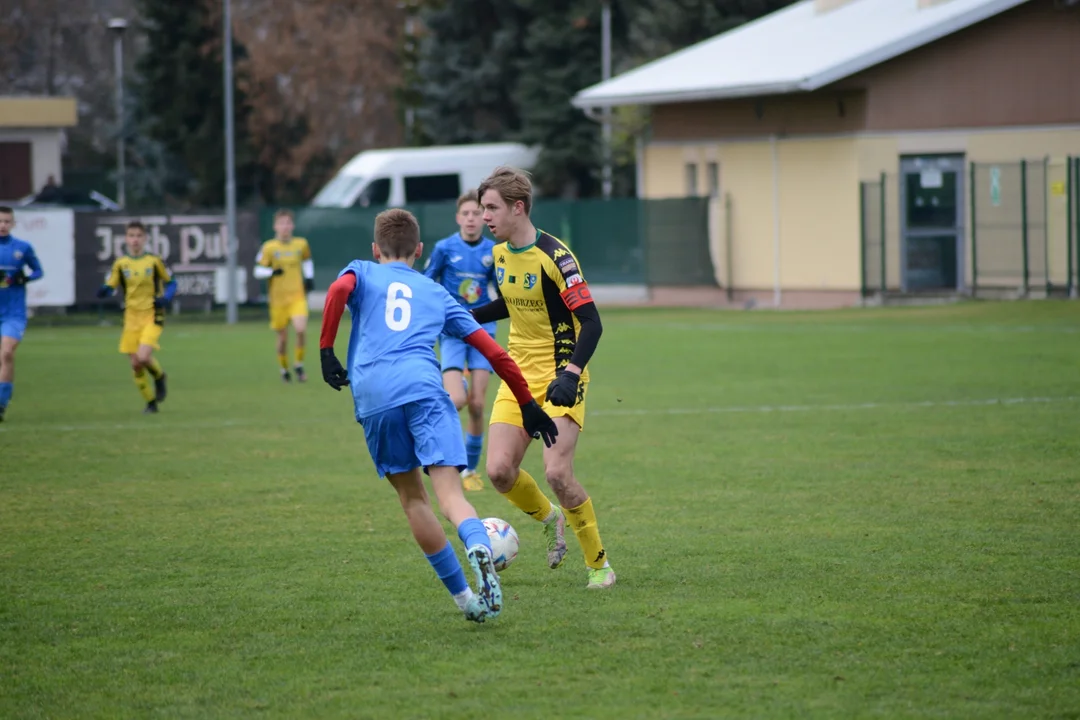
528	498
283	361
155	368
142	381
300	355
583	521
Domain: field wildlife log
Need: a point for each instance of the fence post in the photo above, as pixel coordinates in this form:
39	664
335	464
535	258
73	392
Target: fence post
884	283
974	237
1046	223
1024	221
1070	196
728	252
862	239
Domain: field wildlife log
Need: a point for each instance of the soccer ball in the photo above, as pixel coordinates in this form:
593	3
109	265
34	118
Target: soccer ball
504	542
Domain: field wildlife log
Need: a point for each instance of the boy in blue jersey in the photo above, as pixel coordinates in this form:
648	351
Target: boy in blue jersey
462	263
16	256
408	419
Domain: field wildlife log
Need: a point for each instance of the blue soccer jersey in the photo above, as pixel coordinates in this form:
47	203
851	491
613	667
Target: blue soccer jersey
397	315
15	256
464	269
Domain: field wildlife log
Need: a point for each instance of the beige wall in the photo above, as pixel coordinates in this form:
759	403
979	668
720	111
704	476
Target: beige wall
45	151
818	209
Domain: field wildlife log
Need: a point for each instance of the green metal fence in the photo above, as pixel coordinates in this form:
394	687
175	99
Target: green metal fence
1021	222
618	241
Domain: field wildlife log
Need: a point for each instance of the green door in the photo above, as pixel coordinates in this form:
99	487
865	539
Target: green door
932	222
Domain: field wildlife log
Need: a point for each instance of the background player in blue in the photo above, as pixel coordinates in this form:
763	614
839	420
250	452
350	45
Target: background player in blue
16	256
463	264
409	421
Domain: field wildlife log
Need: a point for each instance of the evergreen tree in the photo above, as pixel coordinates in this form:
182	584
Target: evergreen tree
180	104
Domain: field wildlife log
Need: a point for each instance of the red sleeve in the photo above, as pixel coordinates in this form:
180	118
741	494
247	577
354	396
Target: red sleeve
334	308
504	365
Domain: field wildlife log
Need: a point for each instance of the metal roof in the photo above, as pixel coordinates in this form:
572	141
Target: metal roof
795	49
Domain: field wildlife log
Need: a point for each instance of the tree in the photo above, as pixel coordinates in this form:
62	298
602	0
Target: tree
467	70
181	103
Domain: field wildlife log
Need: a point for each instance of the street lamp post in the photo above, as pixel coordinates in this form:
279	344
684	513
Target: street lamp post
118	26
605	62
230	175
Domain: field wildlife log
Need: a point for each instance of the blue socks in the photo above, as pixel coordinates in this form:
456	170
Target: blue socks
6	390
472	532
448	568
474	445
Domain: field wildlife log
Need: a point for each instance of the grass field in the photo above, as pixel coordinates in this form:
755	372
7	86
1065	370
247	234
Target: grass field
868	513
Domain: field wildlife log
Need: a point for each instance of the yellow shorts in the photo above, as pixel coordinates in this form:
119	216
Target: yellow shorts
280	315
506	408
140	332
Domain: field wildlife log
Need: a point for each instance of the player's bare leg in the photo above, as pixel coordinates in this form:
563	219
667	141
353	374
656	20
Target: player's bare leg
299	324
430	536
506	449
7	369
474	439
559	471
454	383
446	483
282	353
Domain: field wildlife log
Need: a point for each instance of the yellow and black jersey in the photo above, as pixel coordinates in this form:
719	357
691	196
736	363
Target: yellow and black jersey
542	285
141	279
287	256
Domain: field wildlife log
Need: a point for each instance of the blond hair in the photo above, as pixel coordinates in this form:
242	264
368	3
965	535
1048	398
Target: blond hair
511	184
397	233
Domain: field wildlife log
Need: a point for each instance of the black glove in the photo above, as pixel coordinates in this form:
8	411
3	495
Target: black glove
309	284
104	291
332	372
563	390
160	302
538	423
17	278
278	271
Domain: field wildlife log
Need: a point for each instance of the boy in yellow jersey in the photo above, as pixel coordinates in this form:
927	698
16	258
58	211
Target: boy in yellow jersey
554	330
286	263
148	288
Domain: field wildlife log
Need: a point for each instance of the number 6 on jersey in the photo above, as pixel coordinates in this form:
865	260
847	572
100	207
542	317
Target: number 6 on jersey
398	310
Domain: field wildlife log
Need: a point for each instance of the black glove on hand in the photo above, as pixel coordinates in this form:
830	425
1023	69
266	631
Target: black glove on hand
332	372
104	291
160	302
309	284
278	271
17	278
563	390
538	424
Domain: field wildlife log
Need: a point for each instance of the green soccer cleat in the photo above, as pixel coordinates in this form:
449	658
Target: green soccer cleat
555	535
487	580
600	578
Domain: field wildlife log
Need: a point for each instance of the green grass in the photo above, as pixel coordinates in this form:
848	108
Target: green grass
850	514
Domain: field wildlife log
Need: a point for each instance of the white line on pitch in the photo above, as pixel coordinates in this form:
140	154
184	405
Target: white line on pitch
152	424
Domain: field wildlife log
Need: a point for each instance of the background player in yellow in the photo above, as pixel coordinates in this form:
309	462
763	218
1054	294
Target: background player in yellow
554	330
285	262
148	288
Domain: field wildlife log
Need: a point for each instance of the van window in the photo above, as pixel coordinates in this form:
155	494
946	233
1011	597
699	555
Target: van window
432	188
339	191
376	193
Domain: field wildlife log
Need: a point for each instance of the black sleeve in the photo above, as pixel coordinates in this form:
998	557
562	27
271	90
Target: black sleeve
491	312
589	338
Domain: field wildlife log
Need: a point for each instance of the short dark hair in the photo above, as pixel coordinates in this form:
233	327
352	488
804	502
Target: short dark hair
468	196
397	233
7	210
136	225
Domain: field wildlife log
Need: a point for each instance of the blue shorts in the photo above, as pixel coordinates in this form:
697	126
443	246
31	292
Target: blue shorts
12	327
417	434
456	354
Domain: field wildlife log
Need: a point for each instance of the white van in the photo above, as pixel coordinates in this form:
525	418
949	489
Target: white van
400	176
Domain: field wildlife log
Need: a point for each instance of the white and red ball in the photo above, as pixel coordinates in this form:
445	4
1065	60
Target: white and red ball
504	542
